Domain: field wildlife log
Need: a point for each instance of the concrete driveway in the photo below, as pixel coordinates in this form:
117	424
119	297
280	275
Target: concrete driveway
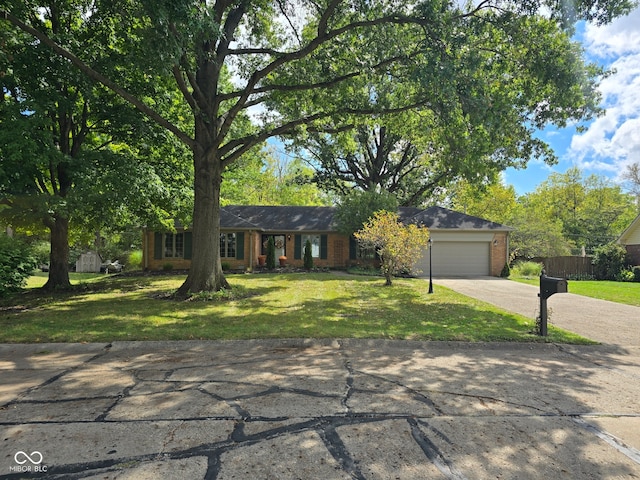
606	322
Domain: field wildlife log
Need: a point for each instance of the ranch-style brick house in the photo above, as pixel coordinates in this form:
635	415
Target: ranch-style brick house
630	239
462	245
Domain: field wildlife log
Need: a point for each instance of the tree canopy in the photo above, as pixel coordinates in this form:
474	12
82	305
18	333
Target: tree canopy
631	176
261	177
479	98
313	67
72	152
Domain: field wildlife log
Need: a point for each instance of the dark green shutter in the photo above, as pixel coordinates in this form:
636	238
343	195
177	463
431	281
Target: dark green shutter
240	246
297	247
188	241
157	246
323	247
353	249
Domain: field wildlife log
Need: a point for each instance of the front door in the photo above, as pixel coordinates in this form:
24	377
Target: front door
279	242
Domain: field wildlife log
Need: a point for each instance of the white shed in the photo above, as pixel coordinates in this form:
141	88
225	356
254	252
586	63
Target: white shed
88	263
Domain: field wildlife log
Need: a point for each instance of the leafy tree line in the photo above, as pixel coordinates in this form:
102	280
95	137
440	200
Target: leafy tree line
564	215
475	81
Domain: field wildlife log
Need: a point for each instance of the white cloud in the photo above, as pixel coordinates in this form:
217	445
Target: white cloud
618	38
613	141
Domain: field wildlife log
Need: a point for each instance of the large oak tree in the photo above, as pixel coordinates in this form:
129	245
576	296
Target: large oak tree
307	66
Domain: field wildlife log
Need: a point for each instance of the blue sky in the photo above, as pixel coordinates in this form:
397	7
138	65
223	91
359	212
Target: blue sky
612	141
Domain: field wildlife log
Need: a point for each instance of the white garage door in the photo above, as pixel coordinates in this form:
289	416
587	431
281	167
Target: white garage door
457	259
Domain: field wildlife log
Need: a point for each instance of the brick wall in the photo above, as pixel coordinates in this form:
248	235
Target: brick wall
634	254
499	254
337	253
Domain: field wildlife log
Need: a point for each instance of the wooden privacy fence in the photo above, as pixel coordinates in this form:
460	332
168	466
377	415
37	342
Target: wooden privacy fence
567	267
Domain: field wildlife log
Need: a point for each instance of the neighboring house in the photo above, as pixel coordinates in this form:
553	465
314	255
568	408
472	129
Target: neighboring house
461	244
630	239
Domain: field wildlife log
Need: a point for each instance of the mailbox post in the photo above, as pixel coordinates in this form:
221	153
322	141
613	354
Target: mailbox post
548	286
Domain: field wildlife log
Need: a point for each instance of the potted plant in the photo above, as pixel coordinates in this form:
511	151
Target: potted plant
262	260
283	260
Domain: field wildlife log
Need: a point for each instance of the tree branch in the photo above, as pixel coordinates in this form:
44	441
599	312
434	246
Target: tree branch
286	15
324	19
182	86
312	46
235	148
254	51
91	73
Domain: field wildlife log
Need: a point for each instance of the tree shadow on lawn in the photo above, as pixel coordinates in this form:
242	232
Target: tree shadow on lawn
356	308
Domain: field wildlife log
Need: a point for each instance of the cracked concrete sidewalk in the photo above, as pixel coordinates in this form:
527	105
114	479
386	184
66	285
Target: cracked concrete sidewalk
310	409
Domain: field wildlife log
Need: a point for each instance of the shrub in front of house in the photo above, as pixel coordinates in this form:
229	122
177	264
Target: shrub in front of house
609	261
636	273
134	260
506	271
308	257
527	269
271	254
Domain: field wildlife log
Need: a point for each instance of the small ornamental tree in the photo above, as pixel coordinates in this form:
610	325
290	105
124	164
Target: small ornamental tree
308	257
399	246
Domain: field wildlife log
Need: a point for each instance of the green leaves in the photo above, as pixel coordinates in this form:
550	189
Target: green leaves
398	246
16	264
357	208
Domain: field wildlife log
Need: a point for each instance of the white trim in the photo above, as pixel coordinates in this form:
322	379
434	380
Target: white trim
458	236
627	233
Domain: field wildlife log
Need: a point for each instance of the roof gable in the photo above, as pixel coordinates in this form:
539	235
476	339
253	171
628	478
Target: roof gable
438	218
631	236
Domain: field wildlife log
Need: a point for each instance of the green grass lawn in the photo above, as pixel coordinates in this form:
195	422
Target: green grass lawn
38	279
620	292
274	306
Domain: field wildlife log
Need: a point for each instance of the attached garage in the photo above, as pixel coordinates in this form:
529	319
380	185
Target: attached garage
458	259
462	245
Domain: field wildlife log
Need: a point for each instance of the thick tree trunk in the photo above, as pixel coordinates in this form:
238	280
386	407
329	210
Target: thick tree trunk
205	273
59	256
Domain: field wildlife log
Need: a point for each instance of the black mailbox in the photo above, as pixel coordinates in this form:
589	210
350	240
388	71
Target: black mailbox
551	285
548	286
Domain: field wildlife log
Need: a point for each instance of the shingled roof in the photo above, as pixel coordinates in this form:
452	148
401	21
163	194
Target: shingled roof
320	219
278	218
438	218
